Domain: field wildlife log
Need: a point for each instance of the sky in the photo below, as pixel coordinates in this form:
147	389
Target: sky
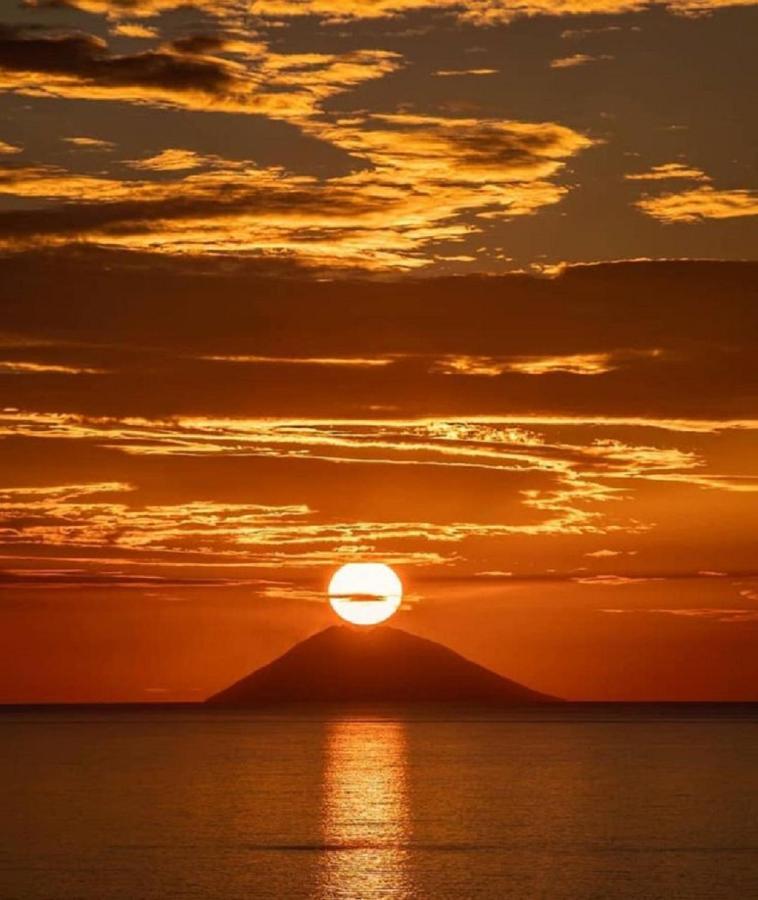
469	289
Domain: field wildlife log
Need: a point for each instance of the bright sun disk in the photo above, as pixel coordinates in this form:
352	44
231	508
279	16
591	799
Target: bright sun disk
365	593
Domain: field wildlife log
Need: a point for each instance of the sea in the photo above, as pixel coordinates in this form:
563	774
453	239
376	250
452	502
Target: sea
577	801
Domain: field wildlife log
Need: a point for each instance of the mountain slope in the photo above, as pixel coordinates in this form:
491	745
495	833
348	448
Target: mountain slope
343	664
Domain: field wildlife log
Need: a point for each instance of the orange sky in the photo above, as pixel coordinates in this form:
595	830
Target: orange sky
284	285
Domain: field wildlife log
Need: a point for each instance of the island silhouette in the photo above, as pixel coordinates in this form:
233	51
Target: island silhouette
381	664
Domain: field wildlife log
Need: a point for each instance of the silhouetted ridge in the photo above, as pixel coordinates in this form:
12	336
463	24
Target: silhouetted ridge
343	664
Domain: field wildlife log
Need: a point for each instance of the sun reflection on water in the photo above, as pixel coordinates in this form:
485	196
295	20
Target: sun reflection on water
365	815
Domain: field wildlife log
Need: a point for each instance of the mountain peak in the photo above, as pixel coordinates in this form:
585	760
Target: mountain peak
345	664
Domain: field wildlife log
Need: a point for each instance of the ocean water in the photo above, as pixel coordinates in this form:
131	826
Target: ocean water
581	801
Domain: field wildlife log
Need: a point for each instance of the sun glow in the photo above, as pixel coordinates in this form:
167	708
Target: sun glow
365	593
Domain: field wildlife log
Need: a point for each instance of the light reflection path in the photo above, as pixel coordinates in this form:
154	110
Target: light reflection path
365	818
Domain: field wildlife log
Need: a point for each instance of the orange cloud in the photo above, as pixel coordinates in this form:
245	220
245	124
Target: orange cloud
427	179
669	171
576	59
134	30
349	362
175	160
89	143
578	480
714	614
437	149
703	7
195	75
475	12
17	367
449	73
607	554
574	364
428	176
71	516
699	204
613	580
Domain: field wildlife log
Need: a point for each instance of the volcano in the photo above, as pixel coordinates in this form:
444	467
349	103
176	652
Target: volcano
343	664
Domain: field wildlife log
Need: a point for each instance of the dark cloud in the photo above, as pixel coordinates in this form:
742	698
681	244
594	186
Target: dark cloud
87	58
135	216
198	43
81	66
673	338
431	178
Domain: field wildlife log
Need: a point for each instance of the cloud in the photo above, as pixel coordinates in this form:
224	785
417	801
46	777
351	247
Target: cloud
713	614
89	143
293	592
669	171
174	160
378	483
607	554
487	366
614	580
578	364
72	517
80	66
19	367
738	484
56	183
43	577
575	482
7	149
697	8
134	30
64	492
570	34
235	211
574	364
474	12
117	9
478	151
699	204
12	341
576	59
477	12
450	73
348	362
426	178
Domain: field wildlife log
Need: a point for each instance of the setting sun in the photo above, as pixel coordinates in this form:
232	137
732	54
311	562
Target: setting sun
365	593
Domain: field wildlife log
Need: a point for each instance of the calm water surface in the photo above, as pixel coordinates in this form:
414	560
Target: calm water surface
582	801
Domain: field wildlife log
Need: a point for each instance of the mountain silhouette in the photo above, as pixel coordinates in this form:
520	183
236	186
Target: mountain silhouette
344	664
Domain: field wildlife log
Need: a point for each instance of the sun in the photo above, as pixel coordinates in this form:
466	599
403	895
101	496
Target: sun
365	593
